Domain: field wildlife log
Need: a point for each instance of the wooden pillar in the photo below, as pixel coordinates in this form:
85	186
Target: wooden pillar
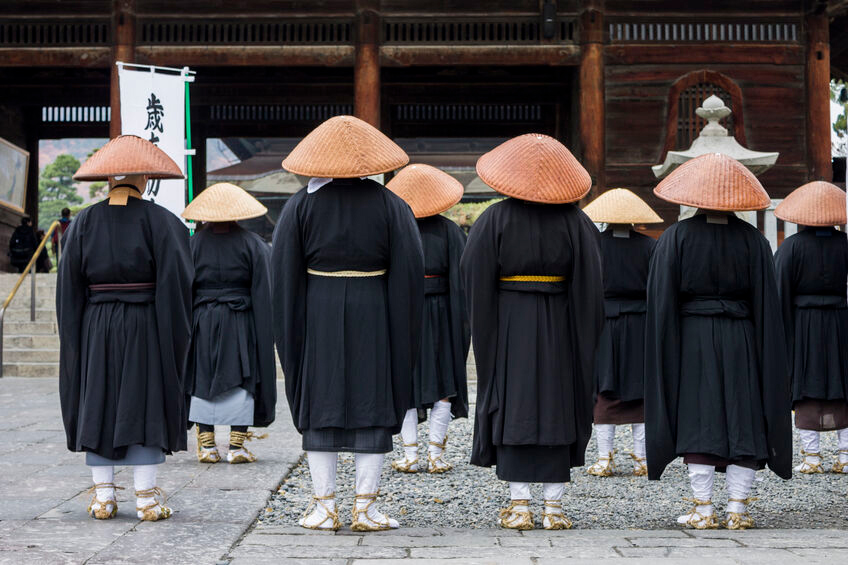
592	121
366	65
32	119
123	49
818	98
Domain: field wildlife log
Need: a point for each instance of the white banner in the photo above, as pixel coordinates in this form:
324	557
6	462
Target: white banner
153	108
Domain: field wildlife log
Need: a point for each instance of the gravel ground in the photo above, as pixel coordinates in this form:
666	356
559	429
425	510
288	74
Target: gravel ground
469	497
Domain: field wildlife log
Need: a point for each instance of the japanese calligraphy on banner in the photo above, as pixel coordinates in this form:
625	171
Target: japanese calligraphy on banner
153	107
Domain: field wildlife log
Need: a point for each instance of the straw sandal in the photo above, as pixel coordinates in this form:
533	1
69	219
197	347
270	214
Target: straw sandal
103	509
435	464
405	465
605	467
838	466
639	467
156	510
739	520
555	520
207	451
362	522
697	520
331	515
513	519
808	467
240	454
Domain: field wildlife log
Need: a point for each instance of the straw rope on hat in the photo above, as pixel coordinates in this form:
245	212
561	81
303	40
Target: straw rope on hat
534	167
714	182
223	202
345	147
128	155
817	203
427	190
621	206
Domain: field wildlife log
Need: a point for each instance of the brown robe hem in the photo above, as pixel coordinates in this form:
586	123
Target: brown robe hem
610	410
821	415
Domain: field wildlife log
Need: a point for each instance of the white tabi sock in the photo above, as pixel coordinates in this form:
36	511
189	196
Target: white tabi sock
144	478
638	440
440	417
369	467
519	491
810	444
553	493
104	474
605	436
843	444
701	479
322	470
409	434
739	481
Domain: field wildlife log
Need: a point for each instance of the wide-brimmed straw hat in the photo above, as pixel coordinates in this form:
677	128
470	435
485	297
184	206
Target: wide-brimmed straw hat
714	182
621	206
534	167
817	203
128	155
345	147
427	190
223	202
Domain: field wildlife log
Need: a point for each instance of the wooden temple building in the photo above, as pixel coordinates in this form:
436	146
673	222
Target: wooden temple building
616	80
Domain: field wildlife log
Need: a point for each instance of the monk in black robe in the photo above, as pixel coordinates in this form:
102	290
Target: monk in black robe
716	384
230	372
348	276
620	359
812	270
532	274
439	382
123	303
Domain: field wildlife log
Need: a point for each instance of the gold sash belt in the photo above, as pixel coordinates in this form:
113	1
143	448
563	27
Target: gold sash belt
347	274
533	278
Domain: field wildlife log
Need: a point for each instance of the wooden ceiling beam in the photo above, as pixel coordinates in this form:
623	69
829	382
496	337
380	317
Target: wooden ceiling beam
55	57
449	55
241	55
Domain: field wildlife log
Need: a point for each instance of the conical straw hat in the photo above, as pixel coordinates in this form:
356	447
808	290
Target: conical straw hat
620	206
223	202
345	147
534	167
128	155
714	182
817	203
427	190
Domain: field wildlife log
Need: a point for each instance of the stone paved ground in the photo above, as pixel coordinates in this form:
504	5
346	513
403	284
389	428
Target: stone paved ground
43	499
43	520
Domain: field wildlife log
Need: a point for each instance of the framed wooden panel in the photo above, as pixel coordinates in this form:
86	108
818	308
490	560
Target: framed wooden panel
14	164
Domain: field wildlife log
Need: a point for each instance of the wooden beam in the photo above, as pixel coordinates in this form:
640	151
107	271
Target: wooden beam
447	55
818	98
685	53
366	68
123	34
32	119
54	57
246	55
592	106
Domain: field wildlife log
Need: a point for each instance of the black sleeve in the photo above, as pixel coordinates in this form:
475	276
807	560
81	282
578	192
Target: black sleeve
260	294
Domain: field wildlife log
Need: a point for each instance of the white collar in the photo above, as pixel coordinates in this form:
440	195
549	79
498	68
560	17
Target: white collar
316	183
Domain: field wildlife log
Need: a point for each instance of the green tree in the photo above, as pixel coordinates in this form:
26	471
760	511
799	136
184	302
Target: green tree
839	94
57	189
97	189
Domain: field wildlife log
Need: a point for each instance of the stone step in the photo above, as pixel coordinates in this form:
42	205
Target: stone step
29	328
14	355
43	300
23	315
30	369
31	341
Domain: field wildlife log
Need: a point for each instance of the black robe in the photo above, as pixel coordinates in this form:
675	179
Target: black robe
348	345
716	381
445	335
620	360
534	342
812	271
232	342
122	351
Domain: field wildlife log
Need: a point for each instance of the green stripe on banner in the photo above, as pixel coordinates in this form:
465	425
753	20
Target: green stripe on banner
188	146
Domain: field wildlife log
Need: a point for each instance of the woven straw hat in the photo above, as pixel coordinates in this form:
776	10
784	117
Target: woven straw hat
427	190
620	206
714	182
223	202
817	203
534	167
345	147
128	155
